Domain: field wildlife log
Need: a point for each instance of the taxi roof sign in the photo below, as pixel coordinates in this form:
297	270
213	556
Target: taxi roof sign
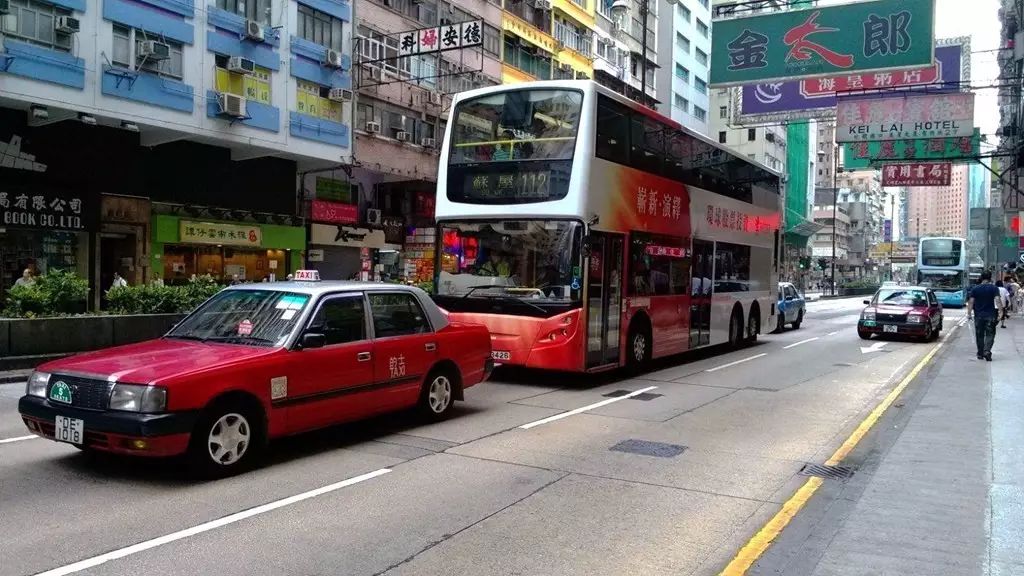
307	276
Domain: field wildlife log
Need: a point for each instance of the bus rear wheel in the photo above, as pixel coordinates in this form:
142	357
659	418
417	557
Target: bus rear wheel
736	330
639	348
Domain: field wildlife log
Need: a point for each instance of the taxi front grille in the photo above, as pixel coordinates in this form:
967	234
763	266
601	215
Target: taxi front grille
892	318
87	393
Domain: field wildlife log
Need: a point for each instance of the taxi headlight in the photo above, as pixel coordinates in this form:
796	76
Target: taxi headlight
36	385
868	315
138	398
915	319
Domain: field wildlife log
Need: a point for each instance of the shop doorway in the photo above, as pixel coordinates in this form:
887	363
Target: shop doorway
118	254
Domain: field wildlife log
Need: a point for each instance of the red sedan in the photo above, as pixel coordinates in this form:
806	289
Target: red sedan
901	310
257	362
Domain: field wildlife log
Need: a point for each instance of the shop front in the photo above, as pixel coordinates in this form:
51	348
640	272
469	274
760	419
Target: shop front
352	252
227	251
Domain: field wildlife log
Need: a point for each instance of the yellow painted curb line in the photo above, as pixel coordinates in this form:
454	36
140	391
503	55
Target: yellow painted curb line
757	545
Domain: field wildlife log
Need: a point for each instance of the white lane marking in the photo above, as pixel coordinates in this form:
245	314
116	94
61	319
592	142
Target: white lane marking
207	526
18	439
794	345
832	333
717	368
585	408
876	347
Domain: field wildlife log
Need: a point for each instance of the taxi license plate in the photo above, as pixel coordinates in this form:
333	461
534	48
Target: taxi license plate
889	328
501	355
69	430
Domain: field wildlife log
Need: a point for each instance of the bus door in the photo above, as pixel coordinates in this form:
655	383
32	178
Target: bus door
702	272
604	298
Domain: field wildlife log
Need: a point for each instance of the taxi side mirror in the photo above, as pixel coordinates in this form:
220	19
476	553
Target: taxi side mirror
312	340
868	302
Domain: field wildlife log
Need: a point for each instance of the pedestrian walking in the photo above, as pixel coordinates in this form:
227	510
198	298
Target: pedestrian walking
984	306
1004	294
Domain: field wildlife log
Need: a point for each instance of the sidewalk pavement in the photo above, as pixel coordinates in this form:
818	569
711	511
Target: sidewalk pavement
940	487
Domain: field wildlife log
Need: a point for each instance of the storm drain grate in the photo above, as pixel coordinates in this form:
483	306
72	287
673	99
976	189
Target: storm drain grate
829	472
646	396
616	393
648	448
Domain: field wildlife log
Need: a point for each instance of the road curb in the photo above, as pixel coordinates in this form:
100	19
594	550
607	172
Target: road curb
14	377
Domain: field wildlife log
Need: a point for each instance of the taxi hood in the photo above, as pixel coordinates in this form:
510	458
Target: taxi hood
154	360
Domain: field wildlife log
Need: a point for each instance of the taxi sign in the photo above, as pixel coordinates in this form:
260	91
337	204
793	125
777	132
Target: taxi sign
307	276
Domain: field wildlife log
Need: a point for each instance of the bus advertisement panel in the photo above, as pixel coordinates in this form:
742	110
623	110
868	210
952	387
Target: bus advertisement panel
588	232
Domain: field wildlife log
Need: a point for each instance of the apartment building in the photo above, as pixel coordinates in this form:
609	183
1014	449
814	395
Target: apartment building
684	36
620	44
547	39
940	210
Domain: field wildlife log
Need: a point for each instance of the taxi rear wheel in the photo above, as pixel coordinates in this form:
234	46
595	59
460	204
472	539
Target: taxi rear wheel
438	394
799	320
227	440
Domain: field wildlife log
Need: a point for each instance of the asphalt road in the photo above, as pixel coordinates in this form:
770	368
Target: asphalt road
672	481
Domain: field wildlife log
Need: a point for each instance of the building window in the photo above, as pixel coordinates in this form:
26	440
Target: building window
723	112
492	40
312	100
721	137
700	85
700	113
34	22
254	86
681	103
682	72
751	134
682	42
704	3
258	10
684	12
701	56
320	28
702	28
125	53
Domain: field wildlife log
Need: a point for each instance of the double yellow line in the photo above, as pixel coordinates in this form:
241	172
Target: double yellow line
757	545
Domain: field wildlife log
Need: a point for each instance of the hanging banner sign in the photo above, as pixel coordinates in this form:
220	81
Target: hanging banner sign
887	230
858	155
441	38
917	174
219	233
820	42
905	117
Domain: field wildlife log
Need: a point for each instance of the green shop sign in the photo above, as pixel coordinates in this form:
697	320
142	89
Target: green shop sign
857	155
333	190
824	41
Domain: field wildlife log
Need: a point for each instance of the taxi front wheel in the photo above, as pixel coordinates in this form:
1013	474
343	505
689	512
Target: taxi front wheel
438	394
225	441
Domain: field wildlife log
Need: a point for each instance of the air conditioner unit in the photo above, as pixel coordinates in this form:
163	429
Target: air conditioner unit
253	30
63	24
240	65
373	217
402	136
565	67
5	6
542	4
428	143
153	50
373	127
435	98
333	59
231	105
339	95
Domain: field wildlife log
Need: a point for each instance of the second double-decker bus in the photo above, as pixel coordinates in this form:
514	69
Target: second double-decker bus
588	232
942	266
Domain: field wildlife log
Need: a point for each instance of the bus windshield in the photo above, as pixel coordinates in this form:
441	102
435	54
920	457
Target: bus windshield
533	261
942	280
513	147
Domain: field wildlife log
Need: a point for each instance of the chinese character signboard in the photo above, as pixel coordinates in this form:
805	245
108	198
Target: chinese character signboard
816	98
42	210
333	190
917	174
905	117
334	212
887	230
439	39
827	41
219	233
858	155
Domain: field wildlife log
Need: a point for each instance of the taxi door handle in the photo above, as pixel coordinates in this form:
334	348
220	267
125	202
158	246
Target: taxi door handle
363	356
430	346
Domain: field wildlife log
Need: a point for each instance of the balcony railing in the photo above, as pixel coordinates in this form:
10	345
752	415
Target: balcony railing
572	38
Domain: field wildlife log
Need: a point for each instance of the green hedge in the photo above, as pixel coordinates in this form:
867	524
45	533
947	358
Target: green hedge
160	299
56	293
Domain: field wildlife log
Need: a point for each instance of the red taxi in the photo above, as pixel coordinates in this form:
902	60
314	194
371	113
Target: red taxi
256	362
901	310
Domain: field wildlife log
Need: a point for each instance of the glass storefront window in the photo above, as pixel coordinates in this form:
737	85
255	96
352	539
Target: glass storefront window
180	262
41	251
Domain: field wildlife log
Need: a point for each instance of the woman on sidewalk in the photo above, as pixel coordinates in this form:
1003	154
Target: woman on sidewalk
1004	295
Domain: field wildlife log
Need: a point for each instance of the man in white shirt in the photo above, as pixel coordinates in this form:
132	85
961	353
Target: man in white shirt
1004	295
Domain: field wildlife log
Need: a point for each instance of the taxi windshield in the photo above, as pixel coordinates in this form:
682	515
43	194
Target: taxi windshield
249	317
902	298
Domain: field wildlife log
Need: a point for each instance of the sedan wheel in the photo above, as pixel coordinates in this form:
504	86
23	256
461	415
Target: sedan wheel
229	439
438	394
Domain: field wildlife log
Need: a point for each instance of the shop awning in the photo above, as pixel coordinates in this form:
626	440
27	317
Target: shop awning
800	226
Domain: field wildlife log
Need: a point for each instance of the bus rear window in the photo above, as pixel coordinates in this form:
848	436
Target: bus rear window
514	147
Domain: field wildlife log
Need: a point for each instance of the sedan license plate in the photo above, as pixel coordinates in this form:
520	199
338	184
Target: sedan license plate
889	328
501	355
69	430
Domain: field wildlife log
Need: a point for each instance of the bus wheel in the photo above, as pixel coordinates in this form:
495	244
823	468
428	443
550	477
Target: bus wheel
735	330
754	325
639	351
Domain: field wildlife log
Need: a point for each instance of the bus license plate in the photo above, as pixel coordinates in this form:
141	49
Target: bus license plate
889	328
69	430
501	355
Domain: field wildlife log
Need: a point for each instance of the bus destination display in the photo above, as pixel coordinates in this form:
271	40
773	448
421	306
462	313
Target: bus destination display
520	184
